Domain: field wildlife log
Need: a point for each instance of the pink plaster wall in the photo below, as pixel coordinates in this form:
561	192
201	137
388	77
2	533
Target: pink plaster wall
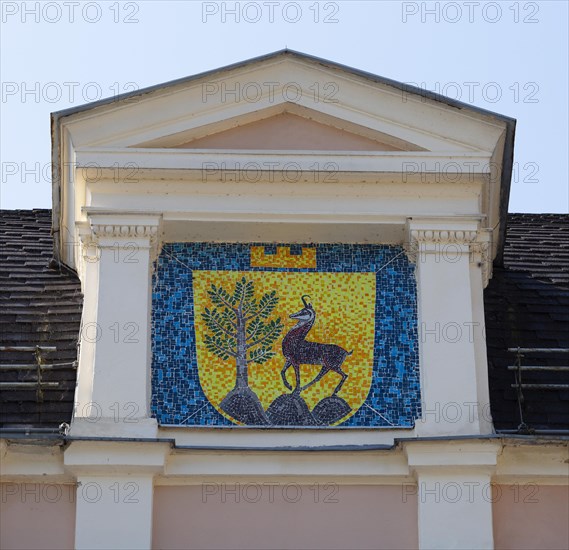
286	131
37	515
529	516
343	516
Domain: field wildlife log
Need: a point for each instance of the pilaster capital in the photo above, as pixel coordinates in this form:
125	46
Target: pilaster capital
457	236
126	231
125	226
449	238
108	230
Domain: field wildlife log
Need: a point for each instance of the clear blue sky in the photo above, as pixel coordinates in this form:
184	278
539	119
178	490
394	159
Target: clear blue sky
510	57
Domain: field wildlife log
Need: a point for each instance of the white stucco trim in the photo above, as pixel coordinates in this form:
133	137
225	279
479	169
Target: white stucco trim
512	460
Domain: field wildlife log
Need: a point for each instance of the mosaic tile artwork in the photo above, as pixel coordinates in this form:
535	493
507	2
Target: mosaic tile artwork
284	335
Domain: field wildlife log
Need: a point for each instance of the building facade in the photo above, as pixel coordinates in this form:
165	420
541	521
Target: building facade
280	276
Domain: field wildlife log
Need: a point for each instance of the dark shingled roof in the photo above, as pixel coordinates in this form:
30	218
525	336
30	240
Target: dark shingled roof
40	305
527	305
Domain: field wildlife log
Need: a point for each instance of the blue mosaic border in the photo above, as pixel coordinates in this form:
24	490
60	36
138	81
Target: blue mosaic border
394	399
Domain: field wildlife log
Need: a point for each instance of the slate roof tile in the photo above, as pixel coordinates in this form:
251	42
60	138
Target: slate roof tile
39	305
527	305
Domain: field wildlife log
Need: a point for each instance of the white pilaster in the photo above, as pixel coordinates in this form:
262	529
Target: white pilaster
113	395
450	311
114	512
114	492
454	493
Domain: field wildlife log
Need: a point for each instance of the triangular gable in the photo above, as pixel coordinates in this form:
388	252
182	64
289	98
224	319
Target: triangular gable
287	131
244	93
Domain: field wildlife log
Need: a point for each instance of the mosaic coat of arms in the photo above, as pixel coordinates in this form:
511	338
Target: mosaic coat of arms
284	335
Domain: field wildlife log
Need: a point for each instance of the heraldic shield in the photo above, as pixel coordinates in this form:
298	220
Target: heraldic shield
278	348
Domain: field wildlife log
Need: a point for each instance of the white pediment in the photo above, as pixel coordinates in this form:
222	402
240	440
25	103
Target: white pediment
206	105
362	152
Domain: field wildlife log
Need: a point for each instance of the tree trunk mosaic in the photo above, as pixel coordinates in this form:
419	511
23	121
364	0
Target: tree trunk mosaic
284	335
240	330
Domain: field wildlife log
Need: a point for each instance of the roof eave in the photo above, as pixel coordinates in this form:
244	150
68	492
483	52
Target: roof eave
505	185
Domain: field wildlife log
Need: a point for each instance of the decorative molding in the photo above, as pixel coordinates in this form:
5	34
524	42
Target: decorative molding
433	241
107	227
455	236
482	251
475	242
121	231
88	248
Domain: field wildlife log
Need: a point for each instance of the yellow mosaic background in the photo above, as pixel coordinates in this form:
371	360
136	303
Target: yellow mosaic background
345	316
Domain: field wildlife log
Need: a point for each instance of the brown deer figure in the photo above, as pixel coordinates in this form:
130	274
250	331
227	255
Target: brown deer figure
299	351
